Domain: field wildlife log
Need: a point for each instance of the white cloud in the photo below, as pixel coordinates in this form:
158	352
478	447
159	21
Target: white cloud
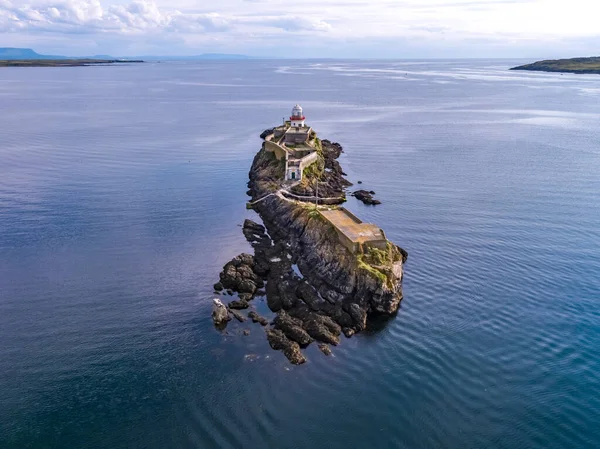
239	25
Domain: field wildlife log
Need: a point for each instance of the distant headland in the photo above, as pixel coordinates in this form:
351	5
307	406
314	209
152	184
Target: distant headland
573	65
26	57
63	62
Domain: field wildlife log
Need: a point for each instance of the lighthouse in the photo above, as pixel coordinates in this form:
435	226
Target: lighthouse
297	118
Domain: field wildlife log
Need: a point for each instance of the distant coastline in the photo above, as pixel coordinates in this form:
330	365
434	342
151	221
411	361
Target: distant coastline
63	62
573	65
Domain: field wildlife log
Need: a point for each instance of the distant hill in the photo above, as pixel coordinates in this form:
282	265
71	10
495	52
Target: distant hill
9	53
24	54
573	65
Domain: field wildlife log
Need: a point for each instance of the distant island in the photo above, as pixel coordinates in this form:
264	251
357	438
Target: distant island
26	57
62	62
573	65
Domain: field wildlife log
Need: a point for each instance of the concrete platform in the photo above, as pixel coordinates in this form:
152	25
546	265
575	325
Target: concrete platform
353	232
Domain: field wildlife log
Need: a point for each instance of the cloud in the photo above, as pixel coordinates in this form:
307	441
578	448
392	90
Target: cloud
326	26
137	16
292	23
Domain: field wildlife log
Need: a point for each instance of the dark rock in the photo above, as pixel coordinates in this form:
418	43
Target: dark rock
359	182
309	295
348	332
266	133
325	349
239	305
366	197
245	296
292	329
358	315
320	332
230	292
246	332
256	318
291	349
238	275
237	315
218	287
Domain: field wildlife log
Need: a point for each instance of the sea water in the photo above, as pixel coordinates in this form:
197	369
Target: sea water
122	192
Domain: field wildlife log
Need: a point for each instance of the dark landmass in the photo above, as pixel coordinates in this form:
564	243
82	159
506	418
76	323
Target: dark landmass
316	287
20	55
574	65
62	62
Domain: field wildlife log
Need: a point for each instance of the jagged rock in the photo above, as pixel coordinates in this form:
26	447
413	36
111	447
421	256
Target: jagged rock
309	295
245	296
348	332
238	275
237	315
325	349
359	316
292	329
220	314
256	318
246	332
366	197
266	133
218	287
320	332
239	305
291	349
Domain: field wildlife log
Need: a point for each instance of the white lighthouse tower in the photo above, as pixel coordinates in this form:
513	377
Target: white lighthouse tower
297	118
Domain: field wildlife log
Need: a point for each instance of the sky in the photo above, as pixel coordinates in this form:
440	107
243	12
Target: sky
305	29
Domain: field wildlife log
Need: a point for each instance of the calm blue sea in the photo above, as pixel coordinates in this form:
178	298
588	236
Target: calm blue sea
122	192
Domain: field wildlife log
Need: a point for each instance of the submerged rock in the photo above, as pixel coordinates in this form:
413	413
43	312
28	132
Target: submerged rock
256	318
325	349
237	315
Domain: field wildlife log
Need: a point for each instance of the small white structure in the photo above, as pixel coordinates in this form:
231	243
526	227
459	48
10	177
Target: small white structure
297	119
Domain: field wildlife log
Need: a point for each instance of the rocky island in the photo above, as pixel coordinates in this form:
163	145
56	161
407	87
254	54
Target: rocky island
574	65
323	271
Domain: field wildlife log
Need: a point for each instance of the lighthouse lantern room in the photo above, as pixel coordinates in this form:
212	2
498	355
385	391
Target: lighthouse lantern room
297	118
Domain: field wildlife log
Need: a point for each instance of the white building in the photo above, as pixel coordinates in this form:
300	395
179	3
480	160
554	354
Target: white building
297	119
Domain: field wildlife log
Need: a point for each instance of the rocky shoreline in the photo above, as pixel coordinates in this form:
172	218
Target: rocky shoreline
317	288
